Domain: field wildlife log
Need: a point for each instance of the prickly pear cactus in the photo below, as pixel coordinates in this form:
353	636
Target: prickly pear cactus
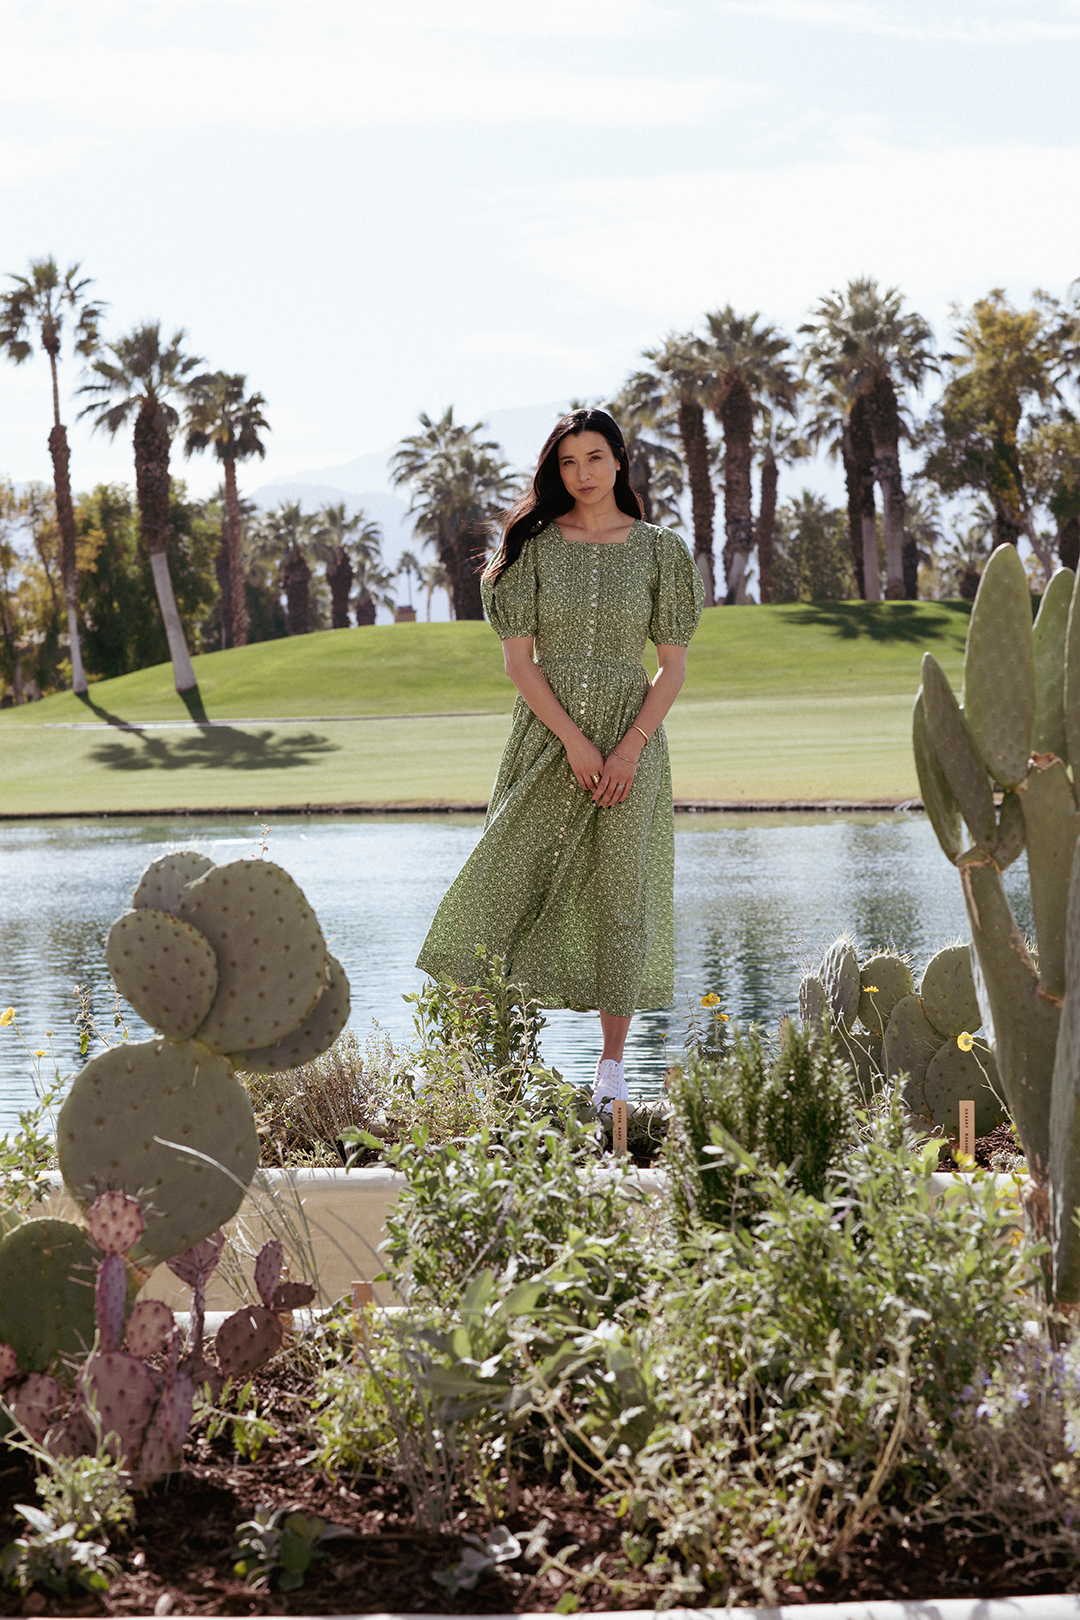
247	1339
316	1034
170	1123
1019	730
884	980
47	1270
165	880
271	955
165	968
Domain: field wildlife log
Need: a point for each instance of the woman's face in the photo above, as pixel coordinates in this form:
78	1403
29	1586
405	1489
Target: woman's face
588	467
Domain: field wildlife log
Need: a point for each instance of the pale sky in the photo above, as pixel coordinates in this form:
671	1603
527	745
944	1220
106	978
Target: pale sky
377	209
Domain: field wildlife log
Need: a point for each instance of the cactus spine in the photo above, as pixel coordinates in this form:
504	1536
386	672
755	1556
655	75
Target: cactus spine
1019	729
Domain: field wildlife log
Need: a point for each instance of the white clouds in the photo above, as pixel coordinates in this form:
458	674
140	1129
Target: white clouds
944	225
990	22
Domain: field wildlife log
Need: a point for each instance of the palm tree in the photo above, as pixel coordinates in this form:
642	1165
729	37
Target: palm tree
842	425
373	590
409	568
434	578
142	379
36	304
868	344
343	541
459	484
219	415
750	366
685	385
286	539
779	441
648	427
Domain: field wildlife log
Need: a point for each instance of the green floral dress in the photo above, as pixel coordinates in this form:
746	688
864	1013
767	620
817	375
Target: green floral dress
575	899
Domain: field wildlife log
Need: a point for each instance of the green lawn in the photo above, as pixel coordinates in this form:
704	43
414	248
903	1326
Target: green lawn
790	703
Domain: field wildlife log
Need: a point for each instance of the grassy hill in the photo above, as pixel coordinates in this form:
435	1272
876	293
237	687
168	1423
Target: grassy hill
797	702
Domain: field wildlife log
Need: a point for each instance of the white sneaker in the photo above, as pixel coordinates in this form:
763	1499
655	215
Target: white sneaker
609	1085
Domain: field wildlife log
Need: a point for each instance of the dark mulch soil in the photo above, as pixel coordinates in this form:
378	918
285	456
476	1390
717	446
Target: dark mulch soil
1002	1139
179	1556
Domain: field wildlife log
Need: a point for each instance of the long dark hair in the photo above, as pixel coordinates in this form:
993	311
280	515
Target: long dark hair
549	498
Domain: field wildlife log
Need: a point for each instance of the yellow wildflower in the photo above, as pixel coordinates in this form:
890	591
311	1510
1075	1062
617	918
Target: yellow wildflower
965	1041
711	1000
723	1017
39	1054
871	989
7	1016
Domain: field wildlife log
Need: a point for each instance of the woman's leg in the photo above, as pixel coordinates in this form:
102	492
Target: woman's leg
615	1031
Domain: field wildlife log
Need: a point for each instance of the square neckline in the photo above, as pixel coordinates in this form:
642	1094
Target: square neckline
556	524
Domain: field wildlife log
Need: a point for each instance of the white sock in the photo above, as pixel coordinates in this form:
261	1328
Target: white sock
610	1083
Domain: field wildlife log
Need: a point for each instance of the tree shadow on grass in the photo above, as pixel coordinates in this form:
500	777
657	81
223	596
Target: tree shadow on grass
887	621
214	748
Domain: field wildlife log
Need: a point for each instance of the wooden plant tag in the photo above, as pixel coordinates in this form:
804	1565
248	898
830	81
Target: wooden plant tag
967	1128
362	1295
618	1125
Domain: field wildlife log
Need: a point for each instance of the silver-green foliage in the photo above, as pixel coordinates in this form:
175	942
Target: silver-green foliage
1019	731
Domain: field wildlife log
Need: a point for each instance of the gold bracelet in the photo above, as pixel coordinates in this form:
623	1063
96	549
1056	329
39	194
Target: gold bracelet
635	727
624	759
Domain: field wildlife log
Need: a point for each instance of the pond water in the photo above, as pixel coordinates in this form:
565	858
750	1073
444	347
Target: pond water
756	897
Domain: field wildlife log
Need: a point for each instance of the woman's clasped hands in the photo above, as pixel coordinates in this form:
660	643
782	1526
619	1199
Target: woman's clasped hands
608	781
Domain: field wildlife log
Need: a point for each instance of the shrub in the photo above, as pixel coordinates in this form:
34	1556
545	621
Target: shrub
789	1105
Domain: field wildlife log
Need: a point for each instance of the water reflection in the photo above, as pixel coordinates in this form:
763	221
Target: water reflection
756	896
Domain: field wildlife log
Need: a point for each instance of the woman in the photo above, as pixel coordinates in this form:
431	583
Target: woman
571	883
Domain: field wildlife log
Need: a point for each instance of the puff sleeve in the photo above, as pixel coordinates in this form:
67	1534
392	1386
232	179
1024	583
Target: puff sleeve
680	594
510	601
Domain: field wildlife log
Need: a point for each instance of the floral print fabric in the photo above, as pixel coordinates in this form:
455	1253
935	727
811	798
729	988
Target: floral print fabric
575	899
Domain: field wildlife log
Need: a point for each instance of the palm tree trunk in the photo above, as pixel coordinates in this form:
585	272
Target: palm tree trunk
221	569
65	522
702	500
237	593
862	449
641	480
885	428
766	524
339	577
465	569
737	420
854	508
296	579
152	494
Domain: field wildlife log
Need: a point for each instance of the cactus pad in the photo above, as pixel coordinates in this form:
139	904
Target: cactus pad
1011	833
1052	823
268	1263
953	1077
317	1034
9	1364
910	1040
247	1340
124	1108
199	1260
115	1222
952	742
47	1270
839	974
948	992
110	1298
1048	638
999	669
270	951
813	1002
164	968
149	1327
292	1296
939	800
163	1442
34	1403
124	1393
884	980
164	881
